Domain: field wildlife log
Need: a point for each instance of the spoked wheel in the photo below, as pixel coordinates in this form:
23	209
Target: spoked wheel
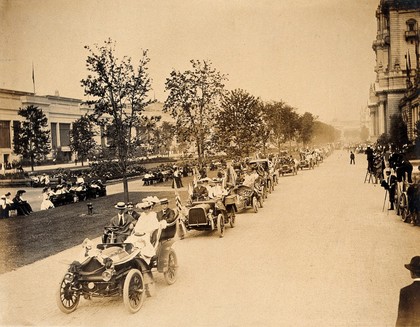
255	203
67	298
221	225
403	208
134	290
172	272
232	217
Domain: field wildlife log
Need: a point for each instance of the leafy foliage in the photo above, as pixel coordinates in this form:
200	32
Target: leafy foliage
238	123
81	138
283	121
32	138
306	128
193	102
120	95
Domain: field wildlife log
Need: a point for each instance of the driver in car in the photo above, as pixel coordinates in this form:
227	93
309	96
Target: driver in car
124	222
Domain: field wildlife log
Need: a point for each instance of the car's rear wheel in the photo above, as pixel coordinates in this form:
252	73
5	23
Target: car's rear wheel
172	272
67	299
232	217
255	203
403	207
134	290
221	225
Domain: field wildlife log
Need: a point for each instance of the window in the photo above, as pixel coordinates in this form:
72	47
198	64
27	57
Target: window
64	134
5	134
411	25
54	135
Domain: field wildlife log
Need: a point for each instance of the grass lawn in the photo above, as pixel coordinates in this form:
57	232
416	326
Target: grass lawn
28	239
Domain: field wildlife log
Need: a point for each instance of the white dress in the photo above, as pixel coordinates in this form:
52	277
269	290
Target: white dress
46	202
145	226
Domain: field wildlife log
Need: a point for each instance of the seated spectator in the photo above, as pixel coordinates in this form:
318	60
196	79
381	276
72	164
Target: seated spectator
130	211
46	202
23	207
6	205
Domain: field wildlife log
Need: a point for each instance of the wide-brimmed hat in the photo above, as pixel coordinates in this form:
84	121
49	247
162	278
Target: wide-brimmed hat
414	264
164	201
130	205
120	206
204	180
145	205
21	191
152	199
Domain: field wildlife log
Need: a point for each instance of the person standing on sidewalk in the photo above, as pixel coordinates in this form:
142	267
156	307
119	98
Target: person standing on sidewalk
352	158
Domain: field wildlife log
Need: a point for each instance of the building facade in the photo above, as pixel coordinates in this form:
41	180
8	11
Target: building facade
61	112
395	48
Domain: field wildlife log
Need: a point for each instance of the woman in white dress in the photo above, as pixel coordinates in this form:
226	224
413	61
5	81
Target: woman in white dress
46	202
145	226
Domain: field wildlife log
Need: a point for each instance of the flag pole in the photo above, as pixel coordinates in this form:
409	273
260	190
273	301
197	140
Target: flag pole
33	76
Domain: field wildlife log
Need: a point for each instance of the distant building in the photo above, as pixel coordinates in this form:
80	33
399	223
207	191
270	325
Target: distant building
395	46
61	113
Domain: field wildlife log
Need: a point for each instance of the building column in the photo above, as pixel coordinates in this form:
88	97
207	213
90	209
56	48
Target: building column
381	118
57	129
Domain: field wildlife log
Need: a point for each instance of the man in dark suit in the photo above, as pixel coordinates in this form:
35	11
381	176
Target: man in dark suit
169	215
124	222
409	305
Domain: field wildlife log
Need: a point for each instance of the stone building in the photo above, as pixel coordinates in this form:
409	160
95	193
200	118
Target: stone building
60	111
395	48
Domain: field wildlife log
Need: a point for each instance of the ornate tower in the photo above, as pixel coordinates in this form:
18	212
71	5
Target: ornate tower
395	49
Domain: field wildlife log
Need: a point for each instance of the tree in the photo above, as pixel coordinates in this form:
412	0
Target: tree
165	136
283	122
31	137
81	138
306	129
324	133
120	94
238	123
193	102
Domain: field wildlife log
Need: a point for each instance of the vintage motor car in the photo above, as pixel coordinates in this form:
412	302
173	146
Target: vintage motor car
209	215
117	269
266	171
287	166
242	197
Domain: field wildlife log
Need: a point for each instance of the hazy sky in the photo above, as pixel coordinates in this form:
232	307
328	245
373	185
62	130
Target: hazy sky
316	55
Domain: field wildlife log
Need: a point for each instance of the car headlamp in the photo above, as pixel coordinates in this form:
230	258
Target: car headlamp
107	275
69	277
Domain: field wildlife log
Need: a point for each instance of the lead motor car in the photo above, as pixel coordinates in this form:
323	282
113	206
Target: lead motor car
117	269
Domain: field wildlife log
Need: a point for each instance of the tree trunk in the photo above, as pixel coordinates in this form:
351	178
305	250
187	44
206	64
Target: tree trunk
125	187
32	162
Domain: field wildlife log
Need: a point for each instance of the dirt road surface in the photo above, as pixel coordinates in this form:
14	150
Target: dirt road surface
320	253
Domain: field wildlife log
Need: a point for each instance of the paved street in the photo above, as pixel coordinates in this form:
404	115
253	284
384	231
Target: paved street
320	253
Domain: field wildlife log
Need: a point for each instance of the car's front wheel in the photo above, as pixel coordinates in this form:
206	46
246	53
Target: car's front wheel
134	290
66	297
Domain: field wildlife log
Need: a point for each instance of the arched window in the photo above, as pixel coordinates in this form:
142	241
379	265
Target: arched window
411	25
411	30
